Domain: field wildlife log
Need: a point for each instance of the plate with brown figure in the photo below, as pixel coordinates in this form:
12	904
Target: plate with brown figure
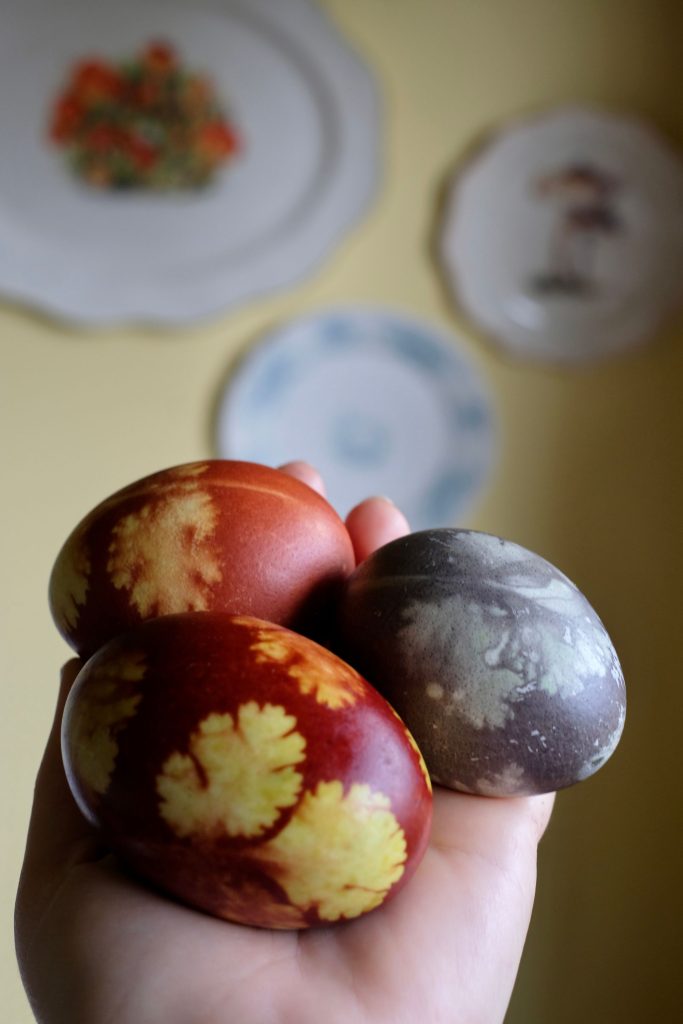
562	239
164	160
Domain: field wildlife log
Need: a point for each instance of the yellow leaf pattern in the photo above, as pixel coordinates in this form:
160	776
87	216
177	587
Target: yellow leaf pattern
413	743
99	715
423	767
190	469
70	582
163	555
237	777
340	853
328	679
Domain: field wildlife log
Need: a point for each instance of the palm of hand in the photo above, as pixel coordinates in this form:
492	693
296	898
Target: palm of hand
446	949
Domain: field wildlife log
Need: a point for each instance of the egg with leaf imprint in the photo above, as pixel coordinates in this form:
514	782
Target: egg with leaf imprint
495	660
247	771
218	535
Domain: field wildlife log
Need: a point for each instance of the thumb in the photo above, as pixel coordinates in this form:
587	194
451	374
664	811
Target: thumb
58	835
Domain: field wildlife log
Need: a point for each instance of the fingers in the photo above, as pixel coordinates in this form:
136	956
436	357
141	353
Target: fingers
540	810
307	474
502	831
374	522
475	893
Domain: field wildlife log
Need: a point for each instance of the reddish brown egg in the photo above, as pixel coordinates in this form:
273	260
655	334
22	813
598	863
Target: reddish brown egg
206	536
247	771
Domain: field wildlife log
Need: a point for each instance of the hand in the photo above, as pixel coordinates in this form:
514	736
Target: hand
96	948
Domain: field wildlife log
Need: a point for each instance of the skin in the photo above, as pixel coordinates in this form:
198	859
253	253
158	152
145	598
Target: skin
94	947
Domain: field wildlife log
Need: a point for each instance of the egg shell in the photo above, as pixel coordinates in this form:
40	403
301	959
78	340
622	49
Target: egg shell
246	770
497	663
206	536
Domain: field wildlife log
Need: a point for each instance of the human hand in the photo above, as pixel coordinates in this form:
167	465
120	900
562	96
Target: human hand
94	947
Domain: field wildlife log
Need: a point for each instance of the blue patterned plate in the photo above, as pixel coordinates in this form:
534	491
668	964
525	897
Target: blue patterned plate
379	403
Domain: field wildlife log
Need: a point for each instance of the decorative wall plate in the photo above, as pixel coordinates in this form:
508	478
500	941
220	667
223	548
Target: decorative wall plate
379	403
563	238
305	107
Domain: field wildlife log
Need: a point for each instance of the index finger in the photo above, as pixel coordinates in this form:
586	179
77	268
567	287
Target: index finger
373	523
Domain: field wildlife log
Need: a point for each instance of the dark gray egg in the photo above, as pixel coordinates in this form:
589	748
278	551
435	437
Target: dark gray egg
496	662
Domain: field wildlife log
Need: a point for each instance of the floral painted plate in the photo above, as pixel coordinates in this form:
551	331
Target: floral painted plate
563	238
302	104
379	403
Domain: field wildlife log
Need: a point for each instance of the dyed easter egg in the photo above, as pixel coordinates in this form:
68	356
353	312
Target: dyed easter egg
206	536
247	771
497	663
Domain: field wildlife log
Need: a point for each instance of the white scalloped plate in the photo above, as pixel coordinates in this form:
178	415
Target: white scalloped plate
563	237
306	108
378	402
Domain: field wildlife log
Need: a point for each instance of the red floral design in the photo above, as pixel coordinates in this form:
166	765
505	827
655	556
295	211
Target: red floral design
142	123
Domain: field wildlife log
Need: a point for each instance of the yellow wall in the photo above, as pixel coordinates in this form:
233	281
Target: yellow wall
590	474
